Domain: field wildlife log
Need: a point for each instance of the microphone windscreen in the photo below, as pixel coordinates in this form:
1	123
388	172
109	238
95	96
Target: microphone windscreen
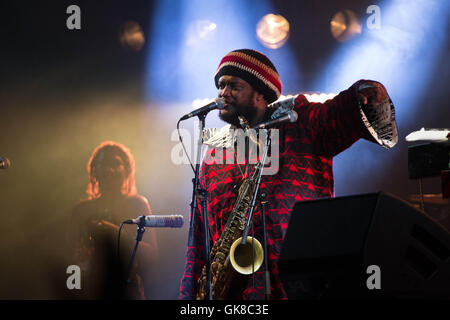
167	221
293	116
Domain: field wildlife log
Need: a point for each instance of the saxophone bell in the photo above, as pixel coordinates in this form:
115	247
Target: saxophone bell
241	257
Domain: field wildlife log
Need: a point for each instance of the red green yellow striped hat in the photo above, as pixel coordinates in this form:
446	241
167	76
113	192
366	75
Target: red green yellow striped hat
253	67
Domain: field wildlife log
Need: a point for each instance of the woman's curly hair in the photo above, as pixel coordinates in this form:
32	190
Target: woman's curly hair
111	149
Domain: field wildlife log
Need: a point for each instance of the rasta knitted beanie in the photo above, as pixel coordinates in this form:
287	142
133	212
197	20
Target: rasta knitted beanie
253	67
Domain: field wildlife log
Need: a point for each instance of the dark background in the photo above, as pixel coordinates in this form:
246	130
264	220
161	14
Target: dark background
62	92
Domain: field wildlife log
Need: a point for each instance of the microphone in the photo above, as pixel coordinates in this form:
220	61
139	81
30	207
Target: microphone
4	163
159	221
218	103
290	116
283	105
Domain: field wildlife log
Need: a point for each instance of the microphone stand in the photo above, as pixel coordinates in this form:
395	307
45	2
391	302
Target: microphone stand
139	233
203	197
252	207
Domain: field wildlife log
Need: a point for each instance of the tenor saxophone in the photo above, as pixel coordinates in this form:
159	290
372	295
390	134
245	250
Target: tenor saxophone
228	255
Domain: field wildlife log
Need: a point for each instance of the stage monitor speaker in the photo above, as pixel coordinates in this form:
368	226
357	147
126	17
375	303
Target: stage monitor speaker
364	246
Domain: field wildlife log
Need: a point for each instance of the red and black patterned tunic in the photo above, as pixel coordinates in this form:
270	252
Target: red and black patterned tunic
306	150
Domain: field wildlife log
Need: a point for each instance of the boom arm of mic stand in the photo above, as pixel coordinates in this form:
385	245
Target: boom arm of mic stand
255	192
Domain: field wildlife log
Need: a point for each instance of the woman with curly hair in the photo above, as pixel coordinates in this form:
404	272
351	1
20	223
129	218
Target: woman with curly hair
112	199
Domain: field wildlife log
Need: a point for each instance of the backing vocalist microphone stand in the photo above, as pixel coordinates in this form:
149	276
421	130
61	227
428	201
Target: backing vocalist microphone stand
139	233
203	198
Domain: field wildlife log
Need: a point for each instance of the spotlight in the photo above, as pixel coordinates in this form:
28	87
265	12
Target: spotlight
131	36
345	25
319	97
197	103
272	31
312	96
200	30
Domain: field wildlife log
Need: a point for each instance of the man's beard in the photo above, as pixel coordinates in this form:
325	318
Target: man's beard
233	111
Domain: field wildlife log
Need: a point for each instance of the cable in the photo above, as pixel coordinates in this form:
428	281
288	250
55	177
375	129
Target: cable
118	242
422	202
253	259
182	144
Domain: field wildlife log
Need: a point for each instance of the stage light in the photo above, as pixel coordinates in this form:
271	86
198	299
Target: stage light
344	25
312	96
200	30
198	103
272	31
319	97
131	36
188	39
401	52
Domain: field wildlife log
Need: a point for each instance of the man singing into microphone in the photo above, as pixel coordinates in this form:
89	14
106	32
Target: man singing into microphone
248	82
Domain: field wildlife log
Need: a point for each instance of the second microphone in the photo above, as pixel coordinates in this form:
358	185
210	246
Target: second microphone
159	221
